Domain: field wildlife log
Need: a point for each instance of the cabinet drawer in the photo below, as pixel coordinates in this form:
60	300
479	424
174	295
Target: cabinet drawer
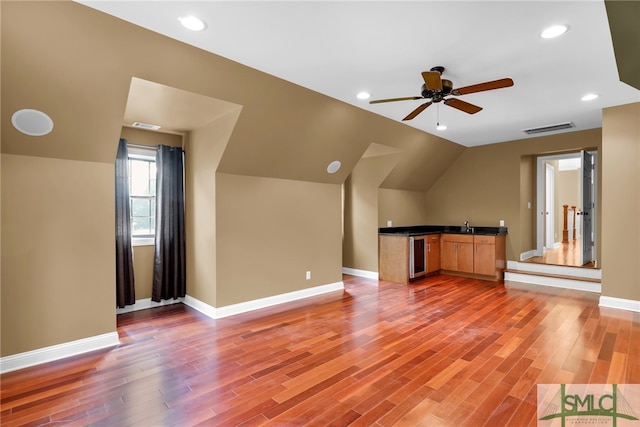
433	238
460	238
491	240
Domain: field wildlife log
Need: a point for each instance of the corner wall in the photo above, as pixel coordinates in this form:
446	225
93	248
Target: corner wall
621	202
58	252
360	241
203	150
270	231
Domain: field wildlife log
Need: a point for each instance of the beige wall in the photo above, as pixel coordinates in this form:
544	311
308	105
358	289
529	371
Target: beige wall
621	202
143	270
58	251
203	150
401	207
361	202
487	184
270	232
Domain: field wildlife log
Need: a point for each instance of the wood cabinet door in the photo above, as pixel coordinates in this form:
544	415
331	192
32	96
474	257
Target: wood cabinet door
485	259
433	254
449	256
465	257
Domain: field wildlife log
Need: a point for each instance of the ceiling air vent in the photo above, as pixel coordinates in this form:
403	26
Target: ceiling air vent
549	128
145	126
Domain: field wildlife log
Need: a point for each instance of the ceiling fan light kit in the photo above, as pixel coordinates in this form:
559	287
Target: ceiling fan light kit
436	89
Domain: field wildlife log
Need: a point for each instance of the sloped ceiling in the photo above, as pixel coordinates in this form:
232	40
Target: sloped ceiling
78	65
179	111
340	48
624	23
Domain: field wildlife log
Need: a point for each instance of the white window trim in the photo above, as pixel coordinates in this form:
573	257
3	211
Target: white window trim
142	154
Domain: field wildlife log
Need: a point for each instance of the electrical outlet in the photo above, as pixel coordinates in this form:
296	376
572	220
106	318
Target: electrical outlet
389	223
308	275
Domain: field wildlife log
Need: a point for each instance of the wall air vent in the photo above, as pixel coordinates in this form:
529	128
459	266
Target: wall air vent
145	126
549	128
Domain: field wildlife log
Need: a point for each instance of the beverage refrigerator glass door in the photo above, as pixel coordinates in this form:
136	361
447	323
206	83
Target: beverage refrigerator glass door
417	256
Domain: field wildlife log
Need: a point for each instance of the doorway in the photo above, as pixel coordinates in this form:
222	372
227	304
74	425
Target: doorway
566	214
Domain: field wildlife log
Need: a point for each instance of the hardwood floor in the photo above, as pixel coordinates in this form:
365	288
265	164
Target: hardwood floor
567	254
444	351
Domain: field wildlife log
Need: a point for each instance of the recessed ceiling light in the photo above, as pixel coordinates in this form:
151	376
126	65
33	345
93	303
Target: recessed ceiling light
363	95
441	127
192	23
589	97
334	166
554	31
32	122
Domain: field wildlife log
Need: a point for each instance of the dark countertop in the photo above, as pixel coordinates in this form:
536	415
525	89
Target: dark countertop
419	230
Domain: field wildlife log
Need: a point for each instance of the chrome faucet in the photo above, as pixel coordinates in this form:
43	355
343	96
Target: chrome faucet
466	226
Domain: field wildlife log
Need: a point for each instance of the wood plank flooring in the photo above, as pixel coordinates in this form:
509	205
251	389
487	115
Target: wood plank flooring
444	351
567	254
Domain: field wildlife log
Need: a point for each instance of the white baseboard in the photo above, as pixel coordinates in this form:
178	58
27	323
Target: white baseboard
360	273
143	304
202	307
620	303
243	307
56	352
527	255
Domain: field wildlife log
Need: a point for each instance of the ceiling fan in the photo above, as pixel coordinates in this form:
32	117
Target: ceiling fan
436	89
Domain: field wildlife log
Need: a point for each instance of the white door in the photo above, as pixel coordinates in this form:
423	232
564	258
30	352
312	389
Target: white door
549	212
587	185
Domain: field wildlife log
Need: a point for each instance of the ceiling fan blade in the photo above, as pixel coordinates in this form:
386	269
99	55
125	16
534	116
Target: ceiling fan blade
495	84
432	80
406	98
462	105
417	111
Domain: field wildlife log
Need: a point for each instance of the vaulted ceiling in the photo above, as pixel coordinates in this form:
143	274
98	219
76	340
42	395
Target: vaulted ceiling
340	48
93	73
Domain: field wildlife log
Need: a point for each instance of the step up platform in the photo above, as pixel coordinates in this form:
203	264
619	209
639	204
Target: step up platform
583	279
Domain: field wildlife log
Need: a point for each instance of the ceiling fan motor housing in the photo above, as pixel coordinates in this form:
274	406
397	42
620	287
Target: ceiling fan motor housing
437	95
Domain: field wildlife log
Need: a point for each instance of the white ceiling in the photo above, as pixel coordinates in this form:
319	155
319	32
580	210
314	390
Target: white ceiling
340	48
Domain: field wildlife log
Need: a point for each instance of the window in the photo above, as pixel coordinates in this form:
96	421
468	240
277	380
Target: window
142	194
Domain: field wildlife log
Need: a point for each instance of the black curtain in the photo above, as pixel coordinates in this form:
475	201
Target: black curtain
125	285
169	264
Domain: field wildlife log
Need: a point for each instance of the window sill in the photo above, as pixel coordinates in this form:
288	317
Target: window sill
143	241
